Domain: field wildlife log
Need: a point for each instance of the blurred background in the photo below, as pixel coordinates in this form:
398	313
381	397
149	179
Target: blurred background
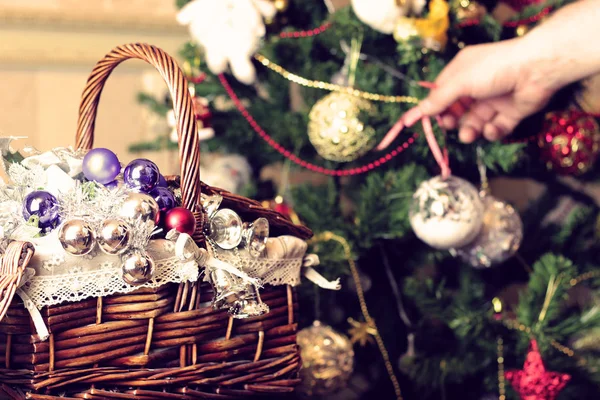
49	48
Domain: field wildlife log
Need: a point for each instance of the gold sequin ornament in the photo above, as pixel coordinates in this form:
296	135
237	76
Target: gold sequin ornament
327	360
336	130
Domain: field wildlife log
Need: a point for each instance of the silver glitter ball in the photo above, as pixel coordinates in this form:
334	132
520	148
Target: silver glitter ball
138	267
76	237
114	236
499	238
446	213
139	206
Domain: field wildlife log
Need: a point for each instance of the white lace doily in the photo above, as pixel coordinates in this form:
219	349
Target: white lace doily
61	277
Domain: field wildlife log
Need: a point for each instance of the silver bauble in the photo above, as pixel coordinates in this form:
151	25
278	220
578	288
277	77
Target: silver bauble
327	360
114	236
139	206
499	238
138	267
76	237
446	213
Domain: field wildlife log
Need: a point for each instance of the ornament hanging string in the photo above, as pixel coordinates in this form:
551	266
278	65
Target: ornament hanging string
305	164
409	119
330	236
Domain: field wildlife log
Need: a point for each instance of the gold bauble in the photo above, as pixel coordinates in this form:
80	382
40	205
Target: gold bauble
327	360
335	129
281	5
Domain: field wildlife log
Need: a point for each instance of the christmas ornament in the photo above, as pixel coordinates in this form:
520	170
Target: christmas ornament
231	172
139	206
164	198
327	360
533	382
101	165
569	142
226	229
180	219
405	29
380	15
76	237
433	29
361	332
138	267
336	131
468	10
249	304
499	238
162	182
225	287
114	236
255	235
141	174
281	5
44	207
446	213
229	32
279	205
211	203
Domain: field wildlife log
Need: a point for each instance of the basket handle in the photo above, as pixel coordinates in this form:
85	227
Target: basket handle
189	150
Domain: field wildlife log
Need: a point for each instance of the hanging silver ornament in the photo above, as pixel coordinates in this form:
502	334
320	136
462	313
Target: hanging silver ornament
225	287
249	305
76	237
138	267
500	236
139	207
211	203
446	213
226	229
255	235
327	360
114	236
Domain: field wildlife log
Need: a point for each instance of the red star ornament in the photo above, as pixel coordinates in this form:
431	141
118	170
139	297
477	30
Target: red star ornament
533	382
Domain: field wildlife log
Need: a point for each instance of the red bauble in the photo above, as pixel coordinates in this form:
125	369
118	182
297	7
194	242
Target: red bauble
181	219
570	142
533	382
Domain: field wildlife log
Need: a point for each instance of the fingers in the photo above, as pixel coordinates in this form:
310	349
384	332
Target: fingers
472	125
442	98
501	126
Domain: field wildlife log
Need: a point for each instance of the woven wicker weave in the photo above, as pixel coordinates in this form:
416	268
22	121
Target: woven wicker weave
153	343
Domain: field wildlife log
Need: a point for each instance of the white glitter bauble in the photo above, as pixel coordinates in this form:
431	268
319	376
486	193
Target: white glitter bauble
327	360
446	213
500	236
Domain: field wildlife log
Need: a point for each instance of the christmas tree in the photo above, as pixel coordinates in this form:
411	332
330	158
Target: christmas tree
511	311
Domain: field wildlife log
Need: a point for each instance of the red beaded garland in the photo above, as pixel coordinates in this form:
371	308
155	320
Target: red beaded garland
570	142
287	154
308	33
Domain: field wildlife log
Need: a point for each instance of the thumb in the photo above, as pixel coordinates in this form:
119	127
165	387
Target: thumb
441	98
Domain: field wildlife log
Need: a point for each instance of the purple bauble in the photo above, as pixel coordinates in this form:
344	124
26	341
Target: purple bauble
112	185
141	174
101	165
164	198
45	206
162	182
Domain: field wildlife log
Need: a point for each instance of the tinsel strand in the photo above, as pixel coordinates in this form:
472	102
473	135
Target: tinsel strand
330	236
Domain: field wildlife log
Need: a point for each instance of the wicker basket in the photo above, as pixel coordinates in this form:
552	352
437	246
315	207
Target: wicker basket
159	343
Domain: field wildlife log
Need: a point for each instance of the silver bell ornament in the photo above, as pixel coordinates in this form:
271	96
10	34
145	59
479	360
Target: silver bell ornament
249	305
114	236
500	236
76	237
226	229
211	203
139	207
327	360
255	235
225	287
446	213
138	267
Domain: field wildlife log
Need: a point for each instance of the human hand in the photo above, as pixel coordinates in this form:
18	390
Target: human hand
488	89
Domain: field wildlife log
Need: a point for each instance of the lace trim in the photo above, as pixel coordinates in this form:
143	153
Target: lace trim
269	271
105	280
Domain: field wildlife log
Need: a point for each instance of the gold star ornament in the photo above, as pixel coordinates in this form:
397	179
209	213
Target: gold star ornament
361	332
